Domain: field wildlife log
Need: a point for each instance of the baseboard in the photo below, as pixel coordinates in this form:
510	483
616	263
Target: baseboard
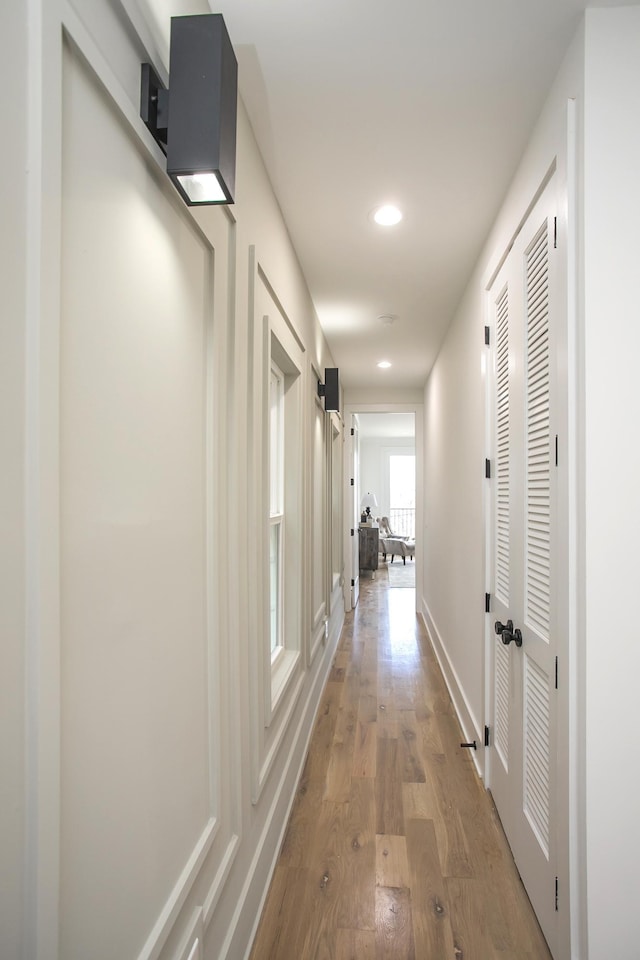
471	729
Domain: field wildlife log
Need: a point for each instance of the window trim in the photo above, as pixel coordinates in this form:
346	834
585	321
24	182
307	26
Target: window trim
276	509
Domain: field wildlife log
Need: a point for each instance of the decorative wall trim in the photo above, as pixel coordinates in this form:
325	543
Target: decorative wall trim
180	920
169	913
281	309
193	932
466	718
211	900
318	631
251	901
82	41
320	615
274	746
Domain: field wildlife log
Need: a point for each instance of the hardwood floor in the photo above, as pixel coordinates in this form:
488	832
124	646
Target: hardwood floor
393	850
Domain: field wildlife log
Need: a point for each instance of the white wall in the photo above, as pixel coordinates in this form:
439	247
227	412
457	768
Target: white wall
599	837
455	430
456	445
159	770
13	86
611	475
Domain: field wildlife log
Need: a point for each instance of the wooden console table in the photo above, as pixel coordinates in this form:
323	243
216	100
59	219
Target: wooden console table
368	547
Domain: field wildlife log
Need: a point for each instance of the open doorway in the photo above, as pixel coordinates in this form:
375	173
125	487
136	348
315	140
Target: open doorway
389	478
388	467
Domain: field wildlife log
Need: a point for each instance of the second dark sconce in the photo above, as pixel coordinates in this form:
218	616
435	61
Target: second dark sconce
330	390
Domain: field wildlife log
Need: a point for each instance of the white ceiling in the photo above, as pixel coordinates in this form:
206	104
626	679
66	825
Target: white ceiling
382	426
426	103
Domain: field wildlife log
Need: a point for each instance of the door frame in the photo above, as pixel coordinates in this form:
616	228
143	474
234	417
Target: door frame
418	410
351	586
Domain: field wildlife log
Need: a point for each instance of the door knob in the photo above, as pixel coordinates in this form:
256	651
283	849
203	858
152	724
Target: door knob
506	632
509	635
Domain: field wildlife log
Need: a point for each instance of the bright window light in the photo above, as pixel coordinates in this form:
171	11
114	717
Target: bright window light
202	187
387	216
384	364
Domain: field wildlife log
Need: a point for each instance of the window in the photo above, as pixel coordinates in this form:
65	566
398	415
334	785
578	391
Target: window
276	508
402	494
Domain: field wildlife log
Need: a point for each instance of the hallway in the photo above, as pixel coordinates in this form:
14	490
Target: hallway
393	850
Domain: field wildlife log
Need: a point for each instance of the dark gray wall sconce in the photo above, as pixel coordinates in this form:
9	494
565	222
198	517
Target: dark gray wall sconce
330	390
194	121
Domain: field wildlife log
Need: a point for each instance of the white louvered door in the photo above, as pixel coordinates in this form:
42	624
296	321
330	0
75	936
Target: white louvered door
523	483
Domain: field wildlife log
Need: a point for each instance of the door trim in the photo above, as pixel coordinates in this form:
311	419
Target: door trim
418	410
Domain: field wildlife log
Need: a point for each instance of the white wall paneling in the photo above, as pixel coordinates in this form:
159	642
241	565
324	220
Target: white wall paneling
142	564
117	418
13	732
276	687
610	471
319	589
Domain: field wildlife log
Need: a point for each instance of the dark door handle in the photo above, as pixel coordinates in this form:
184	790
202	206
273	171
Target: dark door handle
508	634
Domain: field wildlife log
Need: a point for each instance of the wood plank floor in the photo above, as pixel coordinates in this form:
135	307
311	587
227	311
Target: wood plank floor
393	850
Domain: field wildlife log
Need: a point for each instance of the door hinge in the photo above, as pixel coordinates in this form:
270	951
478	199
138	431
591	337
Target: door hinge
487	468
556	449
556	894
352	482
556	673
486	736
353	533
487	603
353	432
487	336
555	233
353	583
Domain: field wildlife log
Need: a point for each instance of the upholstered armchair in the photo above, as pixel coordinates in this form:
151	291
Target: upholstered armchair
386	531
392	545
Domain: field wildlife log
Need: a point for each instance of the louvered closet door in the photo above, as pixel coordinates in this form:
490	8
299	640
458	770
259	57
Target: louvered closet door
523	483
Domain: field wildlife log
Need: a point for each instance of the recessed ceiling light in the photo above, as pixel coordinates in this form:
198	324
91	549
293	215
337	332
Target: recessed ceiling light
387	216
384	364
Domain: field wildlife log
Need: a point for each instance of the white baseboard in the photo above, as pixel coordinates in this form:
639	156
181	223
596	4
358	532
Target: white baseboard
471	729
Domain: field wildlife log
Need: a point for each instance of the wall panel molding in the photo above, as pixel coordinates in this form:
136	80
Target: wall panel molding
259	873
107	40
169	914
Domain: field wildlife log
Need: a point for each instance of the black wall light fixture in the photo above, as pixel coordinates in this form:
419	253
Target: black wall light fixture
194	121
330	390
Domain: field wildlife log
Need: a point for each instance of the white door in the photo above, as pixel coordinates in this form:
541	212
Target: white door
354	512
523	607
